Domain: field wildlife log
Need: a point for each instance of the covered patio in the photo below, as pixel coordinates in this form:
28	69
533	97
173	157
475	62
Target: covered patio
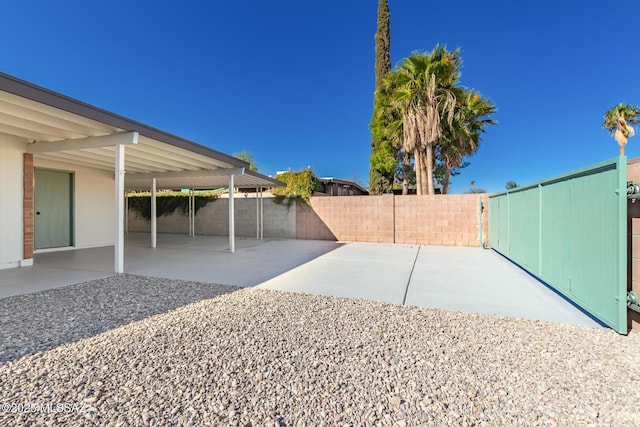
67	165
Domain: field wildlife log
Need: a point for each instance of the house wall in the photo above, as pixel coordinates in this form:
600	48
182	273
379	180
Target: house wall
94	195
11	207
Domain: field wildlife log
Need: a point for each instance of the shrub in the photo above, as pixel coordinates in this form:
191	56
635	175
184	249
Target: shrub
168	202
300	186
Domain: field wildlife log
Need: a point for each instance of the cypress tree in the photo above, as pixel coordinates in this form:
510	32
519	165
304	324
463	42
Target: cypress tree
383	43
383	154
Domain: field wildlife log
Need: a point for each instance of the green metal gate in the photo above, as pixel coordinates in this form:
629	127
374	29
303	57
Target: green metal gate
571	232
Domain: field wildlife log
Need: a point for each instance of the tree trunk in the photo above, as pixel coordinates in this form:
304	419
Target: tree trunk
447	174
423	173
417	164
406	173
429	169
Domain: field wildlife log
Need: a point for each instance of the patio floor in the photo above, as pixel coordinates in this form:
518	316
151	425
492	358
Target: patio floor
451	278
200	258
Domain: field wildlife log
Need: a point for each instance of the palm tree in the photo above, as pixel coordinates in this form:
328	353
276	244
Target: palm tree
618	121
421	92
387	124
472	114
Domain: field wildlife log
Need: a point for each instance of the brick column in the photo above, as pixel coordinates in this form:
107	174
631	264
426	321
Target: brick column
27	206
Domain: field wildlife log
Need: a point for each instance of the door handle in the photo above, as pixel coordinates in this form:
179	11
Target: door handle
38	213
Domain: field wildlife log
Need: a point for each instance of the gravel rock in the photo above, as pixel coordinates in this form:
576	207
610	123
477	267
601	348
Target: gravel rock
257	357
39	321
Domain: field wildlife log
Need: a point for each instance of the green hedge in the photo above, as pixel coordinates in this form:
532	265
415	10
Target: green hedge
168	202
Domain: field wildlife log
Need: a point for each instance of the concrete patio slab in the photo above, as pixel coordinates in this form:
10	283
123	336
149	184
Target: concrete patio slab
200	258
463	279
451	278
207	259
356	270
475	280
26	280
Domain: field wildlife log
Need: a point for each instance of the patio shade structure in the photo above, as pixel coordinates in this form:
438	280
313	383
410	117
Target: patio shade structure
60	129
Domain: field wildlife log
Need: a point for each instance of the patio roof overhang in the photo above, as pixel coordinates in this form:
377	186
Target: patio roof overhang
63	129
58	128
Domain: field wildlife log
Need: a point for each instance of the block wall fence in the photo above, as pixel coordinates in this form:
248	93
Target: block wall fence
213	219
633	242
452	220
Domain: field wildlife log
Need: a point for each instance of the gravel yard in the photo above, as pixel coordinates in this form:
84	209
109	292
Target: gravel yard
127	351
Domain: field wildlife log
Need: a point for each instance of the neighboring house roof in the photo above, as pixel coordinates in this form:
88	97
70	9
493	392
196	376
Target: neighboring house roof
343	183
32	114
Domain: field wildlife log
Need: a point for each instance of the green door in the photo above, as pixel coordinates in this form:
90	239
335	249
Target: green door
53	203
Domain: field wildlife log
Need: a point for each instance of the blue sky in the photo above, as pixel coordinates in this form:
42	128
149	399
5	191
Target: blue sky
292	80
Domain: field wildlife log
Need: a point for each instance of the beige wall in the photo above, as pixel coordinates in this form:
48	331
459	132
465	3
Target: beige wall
360	219
449	220
11	206
430	220
633	239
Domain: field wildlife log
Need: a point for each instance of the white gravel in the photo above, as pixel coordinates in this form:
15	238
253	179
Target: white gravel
258	357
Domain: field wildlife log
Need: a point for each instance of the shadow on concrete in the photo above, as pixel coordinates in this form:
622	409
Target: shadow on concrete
200	259
552	289
70	295
40	321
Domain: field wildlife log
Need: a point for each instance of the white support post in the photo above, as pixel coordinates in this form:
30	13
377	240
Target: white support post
193	212
261	215
126	213
257	215
232	231
119	210
190	213
154	219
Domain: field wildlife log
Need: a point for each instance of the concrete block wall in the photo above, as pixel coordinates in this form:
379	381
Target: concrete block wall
633	242
449	220
309	226
213	219
633	279
431	220
360	219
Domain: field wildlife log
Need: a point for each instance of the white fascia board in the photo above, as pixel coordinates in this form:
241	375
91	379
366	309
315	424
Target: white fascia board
121	138
188	174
